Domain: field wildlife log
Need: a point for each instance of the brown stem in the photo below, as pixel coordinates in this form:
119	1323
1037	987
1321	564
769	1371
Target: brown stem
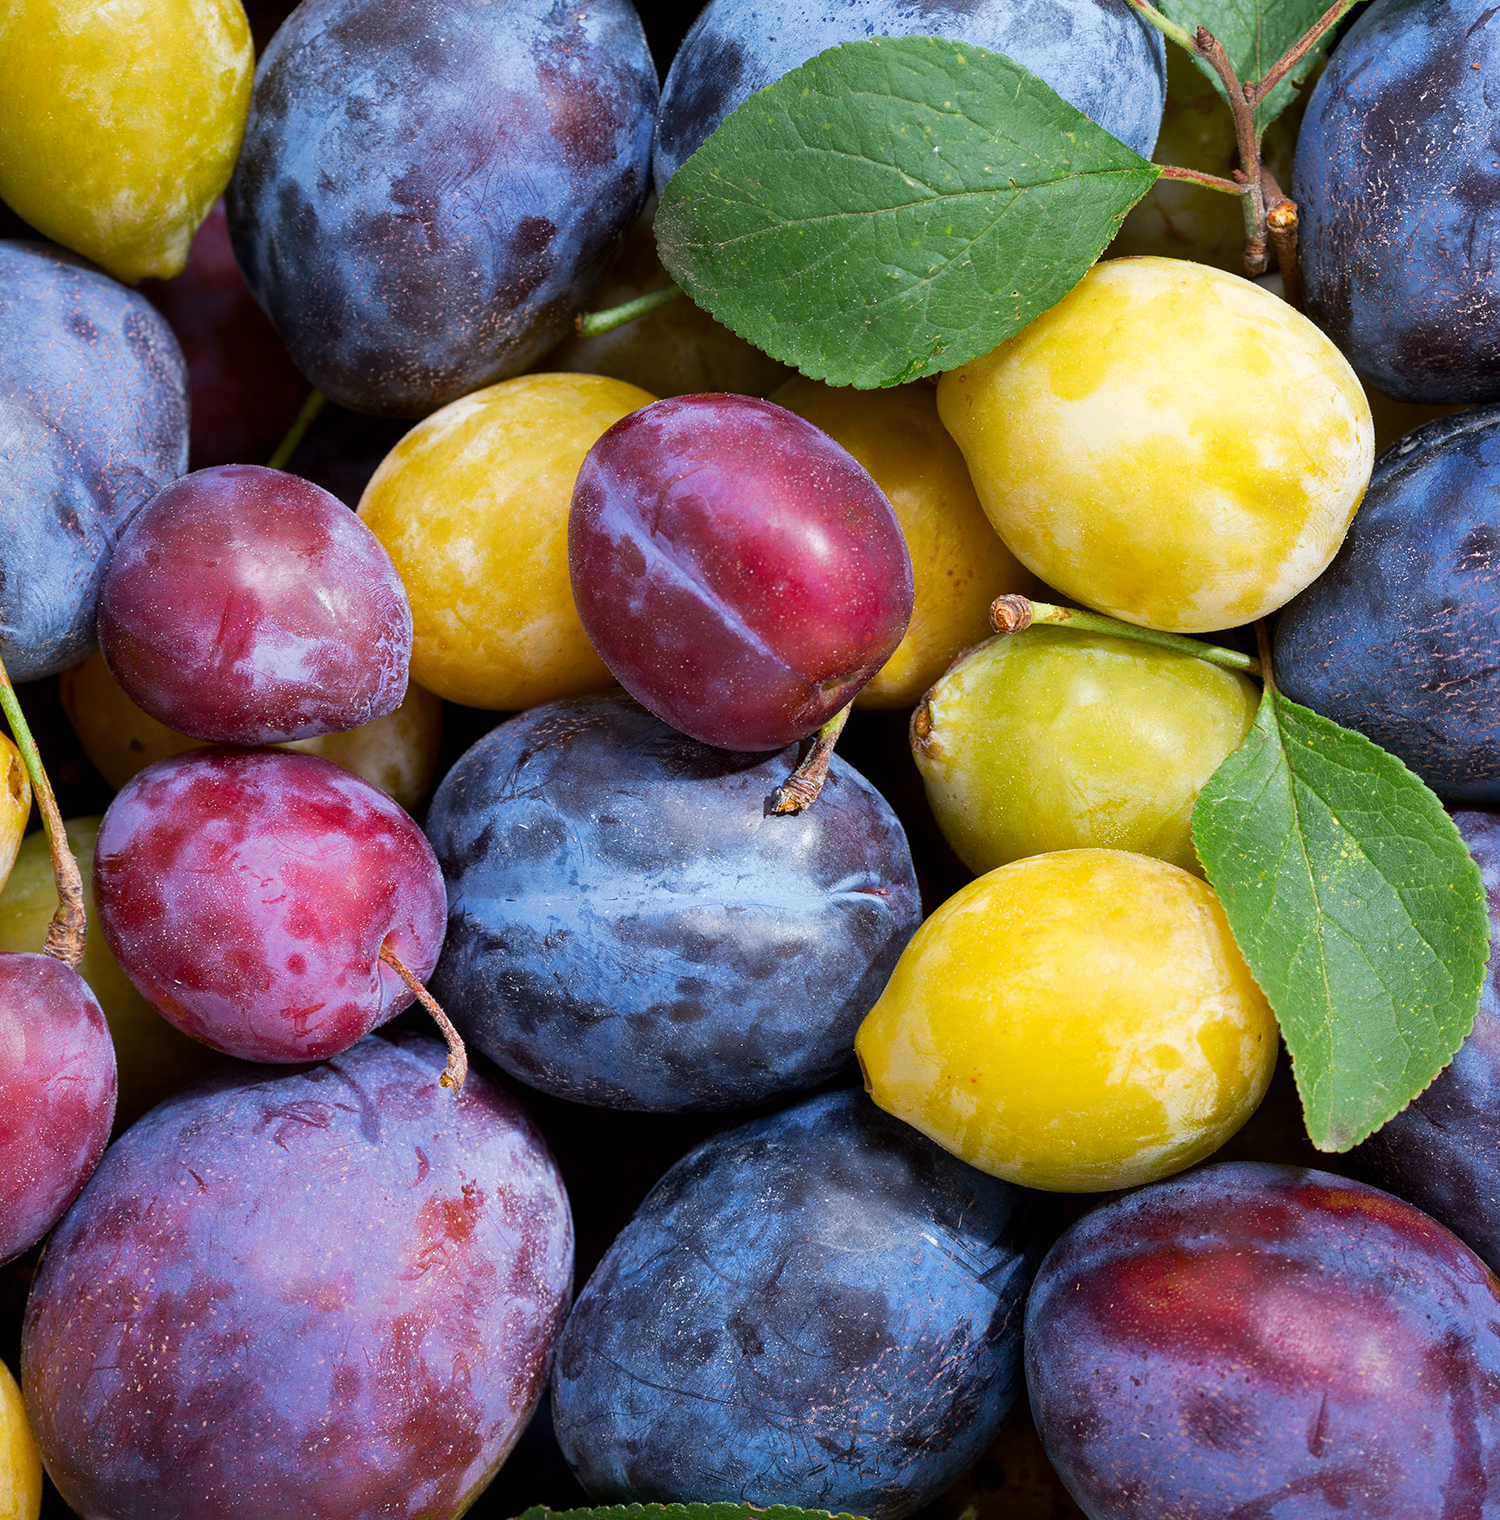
69	927
458	1058
1281	222
1197	177
1263	643
1257	92
1211	50
804	786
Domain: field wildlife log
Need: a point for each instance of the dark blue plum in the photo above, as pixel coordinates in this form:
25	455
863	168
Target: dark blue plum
329	1292
1097	54
1255	1342
428	189
1400	636
627	926
1397	181
1442	1151
821	1308
93	422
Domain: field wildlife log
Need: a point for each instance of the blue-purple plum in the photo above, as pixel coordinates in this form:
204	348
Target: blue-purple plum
1400	636
1097	54
428	189
1257	1342
329	1292
1397	183
629	927
820	1308
1442	1151
93	422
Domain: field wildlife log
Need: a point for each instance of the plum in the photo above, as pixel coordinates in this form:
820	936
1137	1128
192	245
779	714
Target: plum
1399	636
628	927
429	188
93	421
1097	54
1257	1341
819	1308
329	1292
1442	1151
1396	179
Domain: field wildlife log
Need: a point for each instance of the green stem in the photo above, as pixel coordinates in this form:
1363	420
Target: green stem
592	323
1208	181
69	926
1013	614
804	786
297	432
1182	38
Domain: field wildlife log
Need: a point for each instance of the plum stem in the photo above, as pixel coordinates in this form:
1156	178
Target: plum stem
1263	643
458	1058
592	323
1014	614
804	786
69	927
1281	222
297	431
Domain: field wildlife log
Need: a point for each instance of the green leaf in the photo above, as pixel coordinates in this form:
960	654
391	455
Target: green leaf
894	207
1255	33
724	1511
1357	907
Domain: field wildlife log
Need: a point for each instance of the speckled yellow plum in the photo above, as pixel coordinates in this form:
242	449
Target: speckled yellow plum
472	505
120	123
1053	739
154	1058
959	566
20	1465
1169	444
1076	1022
398	753
15	805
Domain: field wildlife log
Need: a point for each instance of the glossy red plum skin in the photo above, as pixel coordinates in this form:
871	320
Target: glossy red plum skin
244	391
247	606
247	894
1267	1343
329	1293
429	189
739	573
57	1094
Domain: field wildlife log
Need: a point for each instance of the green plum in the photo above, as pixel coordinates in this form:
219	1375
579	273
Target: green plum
1054	739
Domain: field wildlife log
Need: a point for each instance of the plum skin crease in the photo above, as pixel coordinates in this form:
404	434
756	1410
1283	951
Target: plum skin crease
329	1292
738	571
247	894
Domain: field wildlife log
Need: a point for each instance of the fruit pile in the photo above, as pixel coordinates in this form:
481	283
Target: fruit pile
750	792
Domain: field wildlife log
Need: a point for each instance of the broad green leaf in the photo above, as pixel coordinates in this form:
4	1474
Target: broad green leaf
1255	33
894	207
724	1511
1357	907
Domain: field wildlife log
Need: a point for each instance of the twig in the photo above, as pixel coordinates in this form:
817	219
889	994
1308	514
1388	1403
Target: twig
1198	177
1257	92
1281	221
805	785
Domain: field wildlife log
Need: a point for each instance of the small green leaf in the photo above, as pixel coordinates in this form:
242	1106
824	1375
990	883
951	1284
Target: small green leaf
724	1511
1357	907
1255	33
894	207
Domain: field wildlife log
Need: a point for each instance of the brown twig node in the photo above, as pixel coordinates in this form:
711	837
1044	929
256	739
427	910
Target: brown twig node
458	1058
1281	221
805	785
1010	614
